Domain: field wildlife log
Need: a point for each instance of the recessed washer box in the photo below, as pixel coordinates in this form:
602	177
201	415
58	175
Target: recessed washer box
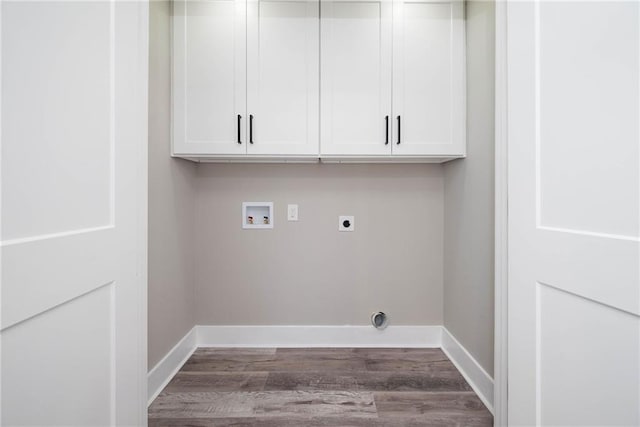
257	215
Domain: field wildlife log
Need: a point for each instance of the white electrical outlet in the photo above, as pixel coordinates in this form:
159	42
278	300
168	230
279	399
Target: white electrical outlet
346	223
292	212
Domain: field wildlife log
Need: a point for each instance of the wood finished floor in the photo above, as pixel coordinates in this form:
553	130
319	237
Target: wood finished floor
318	387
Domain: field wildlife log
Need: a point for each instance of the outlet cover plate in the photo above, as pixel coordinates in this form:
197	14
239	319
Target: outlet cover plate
342	223
292	212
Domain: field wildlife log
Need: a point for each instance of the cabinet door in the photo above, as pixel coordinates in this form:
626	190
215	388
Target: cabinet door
428	77
283	83
209	77
355	77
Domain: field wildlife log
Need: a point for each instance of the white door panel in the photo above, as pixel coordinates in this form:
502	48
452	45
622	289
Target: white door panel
209	77
588	361
574	218
585	105
74	103
69	198
54	260
428	77
600	268
73	387
355	77
283	81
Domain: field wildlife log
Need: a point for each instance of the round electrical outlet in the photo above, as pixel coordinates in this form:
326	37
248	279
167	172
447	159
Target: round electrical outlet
346	223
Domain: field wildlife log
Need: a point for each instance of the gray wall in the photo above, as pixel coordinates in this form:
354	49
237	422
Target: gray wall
469	198
307	272
171	206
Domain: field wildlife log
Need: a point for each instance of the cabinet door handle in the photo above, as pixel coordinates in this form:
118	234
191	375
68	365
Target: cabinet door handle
386	132
239	120
250	128
398	131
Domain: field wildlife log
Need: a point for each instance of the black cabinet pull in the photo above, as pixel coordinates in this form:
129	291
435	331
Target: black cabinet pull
250	128
239	119
386	132
398	131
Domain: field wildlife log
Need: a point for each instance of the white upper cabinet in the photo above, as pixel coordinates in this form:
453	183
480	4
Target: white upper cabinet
356	77
283	82
428	78
209	77
245	81
407	105
340	80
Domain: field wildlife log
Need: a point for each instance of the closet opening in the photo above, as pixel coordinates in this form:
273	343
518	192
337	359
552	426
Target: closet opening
380	113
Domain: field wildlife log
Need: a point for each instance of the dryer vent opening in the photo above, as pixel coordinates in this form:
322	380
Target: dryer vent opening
379	320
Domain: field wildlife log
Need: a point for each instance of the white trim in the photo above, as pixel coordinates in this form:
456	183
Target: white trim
286	336
476	376
164	371
501	219
142	225
319	336
435	336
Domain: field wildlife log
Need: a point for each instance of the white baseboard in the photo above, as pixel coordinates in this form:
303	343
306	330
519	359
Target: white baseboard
322	336
476	376
319	336
164	371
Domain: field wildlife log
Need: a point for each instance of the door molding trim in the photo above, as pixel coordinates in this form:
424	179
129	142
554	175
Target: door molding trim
501	219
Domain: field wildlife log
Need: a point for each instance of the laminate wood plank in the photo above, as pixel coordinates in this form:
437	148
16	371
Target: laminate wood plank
415	354
334	352
316	403
424	355
232	351
404	365
308	364
437	380
443	380
439	405
311	359
376	359
218	381
404	359
312	381
294	404
232	360
202	405
315	360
